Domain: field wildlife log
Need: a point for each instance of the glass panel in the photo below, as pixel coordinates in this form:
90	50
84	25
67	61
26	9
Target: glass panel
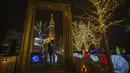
47	46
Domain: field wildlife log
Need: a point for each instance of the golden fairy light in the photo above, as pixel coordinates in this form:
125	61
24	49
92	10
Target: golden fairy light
102	12
105	11
84	34
83	68
7	64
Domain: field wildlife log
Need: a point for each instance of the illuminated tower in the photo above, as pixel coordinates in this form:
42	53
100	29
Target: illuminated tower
52	27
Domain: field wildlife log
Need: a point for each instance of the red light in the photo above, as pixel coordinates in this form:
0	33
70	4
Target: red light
86	55
103	59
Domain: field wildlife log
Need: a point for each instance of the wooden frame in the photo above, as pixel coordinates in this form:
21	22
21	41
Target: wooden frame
28	32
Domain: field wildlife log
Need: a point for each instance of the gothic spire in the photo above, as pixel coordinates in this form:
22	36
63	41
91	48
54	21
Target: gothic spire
52	20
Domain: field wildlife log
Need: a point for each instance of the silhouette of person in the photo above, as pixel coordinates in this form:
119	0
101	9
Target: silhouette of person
13	47
50	49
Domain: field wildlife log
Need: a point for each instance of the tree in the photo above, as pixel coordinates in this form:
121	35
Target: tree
40	28
78	34
102	12
85	34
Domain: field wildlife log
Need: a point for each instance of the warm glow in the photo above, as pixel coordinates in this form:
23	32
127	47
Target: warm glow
85	34
7	64
103	11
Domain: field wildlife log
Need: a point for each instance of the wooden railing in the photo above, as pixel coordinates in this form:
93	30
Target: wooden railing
87	66
7	64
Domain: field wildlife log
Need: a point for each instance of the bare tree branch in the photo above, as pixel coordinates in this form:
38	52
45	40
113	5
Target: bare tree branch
84	34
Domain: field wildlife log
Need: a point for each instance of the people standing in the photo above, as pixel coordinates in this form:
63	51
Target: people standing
51	50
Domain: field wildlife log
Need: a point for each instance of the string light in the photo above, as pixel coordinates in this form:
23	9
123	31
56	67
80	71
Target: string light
83	69
104	60
120	64
84	34
94	58
104	11
78	55
7	64
35	58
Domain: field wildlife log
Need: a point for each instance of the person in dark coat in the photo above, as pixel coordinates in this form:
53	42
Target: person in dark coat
50	49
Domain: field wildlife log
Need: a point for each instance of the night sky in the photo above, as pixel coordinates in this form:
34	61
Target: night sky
15	10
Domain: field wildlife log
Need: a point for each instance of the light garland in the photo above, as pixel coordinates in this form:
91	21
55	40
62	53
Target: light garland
78	55
102	14
104	11
7	64
120	64
84	34
83	69
40	28
35	58
94	58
